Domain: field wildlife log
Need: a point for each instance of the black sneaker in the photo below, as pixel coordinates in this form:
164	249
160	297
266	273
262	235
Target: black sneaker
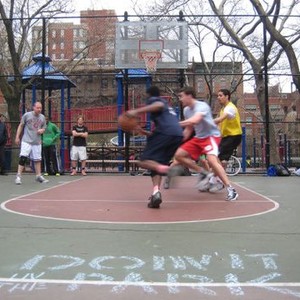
155	200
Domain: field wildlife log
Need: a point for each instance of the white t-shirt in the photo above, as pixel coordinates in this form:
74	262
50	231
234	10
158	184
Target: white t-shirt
207	126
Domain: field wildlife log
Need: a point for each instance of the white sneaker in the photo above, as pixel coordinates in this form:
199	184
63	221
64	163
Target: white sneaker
18	180
215	187
203	181
167	183
232	195
41	179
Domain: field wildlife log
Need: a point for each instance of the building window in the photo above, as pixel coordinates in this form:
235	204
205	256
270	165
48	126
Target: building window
37	34
53	46
62	33
104	83
275	107
81	44
53	56
223	83
200	85
250	107
78	32
62	45
248	120
62	56
53	33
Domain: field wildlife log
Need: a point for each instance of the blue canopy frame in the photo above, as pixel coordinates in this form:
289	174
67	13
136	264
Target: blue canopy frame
135	76
52	80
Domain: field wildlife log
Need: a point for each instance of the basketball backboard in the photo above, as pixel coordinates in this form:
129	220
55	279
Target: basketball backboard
167	40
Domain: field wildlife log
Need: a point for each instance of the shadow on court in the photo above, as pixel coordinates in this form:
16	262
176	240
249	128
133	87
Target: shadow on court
94	238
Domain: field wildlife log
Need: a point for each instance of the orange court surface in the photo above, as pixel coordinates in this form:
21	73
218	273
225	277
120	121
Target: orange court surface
93	237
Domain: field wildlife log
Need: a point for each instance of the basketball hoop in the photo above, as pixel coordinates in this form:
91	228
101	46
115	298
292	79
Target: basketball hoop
150	58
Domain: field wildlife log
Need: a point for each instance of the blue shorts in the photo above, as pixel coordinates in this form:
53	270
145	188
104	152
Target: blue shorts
161	148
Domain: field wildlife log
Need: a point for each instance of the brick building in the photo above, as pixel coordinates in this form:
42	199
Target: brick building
93	38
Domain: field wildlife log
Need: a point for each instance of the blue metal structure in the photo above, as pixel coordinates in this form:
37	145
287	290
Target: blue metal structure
124	78
135	76
33	79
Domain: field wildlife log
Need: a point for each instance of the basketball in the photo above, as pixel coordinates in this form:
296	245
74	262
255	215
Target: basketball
127	123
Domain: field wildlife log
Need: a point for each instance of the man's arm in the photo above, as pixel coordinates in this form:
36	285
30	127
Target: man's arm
56	133
81	134
84	134
220	119
18	134
187	132
194	120
154	107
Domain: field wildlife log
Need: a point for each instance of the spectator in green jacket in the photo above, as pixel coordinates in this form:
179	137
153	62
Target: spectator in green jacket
50	153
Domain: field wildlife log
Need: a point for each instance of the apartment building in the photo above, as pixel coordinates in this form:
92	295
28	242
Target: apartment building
93	38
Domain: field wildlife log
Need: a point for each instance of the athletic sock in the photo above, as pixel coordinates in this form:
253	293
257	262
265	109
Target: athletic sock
155	189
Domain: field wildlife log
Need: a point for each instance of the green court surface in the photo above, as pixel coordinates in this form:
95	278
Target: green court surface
253	256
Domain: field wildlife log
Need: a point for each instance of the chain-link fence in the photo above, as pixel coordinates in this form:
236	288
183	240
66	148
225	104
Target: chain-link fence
69	65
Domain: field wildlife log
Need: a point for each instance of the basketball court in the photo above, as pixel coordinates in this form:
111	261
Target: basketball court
94	238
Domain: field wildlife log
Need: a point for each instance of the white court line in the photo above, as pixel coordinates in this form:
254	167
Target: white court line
141	201
276	206
47	189
151	283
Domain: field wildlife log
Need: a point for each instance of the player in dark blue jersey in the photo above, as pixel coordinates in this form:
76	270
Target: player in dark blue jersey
162	142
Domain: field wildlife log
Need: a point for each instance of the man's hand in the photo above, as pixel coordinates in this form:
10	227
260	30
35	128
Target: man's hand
40	131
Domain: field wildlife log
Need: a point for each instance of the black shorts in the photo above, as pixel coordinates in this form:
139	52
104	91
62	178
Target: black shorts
161	148
228	145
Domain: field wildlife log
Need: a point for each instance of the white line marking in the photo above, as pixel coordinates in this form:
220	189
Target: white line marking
139	201
151	283
276	206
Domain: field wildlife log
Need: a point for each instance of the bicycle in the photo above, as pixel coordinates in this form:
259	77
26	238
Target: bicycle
233	166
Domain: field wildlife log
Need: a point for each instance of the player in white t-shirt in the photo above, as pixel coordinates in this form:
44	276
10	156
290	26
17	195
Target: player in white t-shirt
198	118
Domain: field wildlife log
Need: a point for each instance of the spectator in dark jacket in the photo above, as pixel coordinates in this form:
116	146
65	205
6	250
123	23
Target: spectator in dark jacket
3	140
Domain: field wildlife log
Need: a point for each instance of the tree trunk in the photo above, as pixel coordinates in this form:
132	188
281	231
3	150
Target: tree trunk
13	106
260	91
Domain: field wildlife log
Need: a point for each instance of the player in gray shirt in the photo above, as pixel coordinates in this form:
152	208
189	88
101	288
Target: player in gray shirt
31	128
198	118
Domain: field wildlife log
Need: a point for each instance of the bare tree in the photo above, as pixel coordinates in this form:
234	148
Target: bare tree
239	26
240	36
278	36
16	20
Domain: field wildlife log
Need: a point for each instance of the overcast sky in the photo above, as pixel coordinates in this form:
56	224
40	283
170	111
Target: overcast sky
120	6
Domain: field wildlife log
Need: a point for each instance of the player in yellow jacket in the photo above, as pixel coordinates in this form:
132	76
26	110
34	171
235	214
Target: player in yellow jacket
230	126
231	131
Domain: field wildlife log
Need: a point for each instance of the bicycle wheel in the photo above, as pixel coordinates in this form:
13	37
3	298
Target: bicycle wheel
233	166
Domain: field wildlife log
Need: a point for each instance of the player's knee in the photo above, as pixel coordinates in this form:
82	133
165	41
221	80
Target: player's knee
22	161
153	173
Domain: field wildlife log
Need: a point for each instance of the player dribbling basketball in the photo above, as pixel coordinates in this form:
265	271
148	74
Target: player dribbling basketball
162	142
